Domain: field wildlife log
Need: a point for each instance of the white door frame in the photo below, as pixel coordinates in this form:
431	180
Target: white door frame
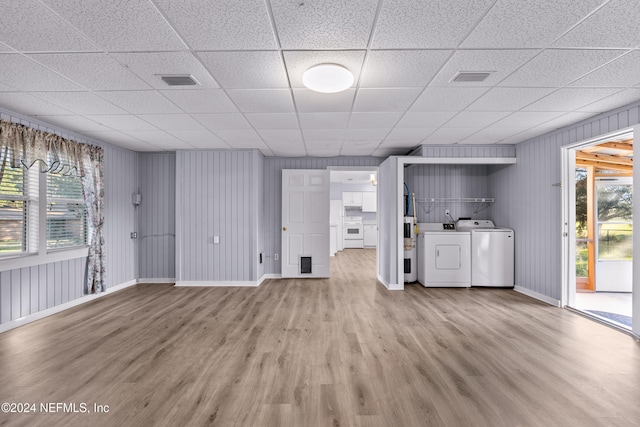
367	169
568	155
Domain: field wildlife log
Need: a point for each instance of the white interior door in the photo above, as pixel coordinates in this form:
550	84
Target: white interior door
305	223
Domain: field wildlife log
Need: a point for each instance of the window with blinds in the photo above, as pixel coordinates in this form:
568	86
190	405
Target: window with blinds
66	213
18	209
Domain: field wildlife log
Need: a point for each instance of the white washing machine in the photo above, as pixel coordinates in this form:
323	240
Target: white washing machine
444	256
492	253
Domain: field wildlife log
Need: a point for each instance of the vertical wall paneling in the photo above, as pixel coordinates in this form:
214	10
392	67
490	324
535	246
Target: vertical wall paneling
217	198
156	227
528	201
121	181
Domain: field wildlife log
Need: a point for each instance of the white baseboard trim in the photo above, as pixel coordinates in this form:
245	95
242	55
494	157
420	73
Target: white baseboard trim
214	283
268	276
537	295
58	308
157	280
391	287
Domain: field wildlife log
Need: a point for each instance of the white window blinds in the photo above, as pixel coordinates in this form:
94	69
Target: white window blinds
66	214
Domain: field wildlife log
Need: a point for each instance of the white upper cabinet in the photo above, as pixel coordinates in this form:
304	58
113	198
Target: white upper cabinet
352	198
369	201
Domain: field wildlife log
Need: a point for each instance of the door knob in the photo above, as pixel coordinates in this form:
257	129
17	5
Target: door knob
284	228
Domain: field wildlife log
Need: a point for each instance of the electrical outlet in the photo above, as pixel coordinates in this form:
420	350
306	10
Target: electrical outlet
134	235
276	257
446	212
216	240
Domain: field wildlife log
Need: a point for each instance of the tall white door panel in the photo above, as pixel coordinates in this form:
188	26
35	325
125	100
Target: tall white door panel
305	223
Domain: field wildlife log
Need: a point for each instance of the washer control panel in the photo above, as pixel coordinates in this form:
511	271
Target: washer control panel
448	227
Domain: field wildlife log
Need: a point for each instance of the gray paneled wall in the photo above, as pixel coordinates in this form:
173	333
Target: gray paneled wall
388	221
216	196
272	205
464	151
528	201
448	181
121	180
26	291
157	225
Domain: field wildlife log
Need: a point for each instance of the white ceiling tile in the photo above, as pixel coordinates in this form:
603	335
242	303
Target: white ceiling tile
403	145
449	135
199	138
347	151
154	137
289	152
122	140
171	122
246	70
221	24
622	72
616	24
409	135
308	101
285	136
371	100
22	73
447	98
7	88
121	122
569	99
73	123
509	98
262	101
500	63
425	119
119	25
402	68
234	136
324	24
95	71
556	68
323	120
28	26
80	102
565	120
25	103
5	48
141	101
374	120
242	144
619	99
201	101
149	66
491	135
524	23
297	62
526	120
420	24
323	152
475	119
366	134
273	120
323	135
222	121
361	145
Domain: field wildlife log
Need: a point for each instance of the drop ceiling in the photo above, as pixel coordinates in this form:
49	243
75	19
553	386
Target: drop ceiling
94	67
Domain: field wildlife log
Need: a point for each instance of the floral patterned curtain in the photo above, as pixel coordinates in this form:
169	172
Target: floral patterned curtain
23	146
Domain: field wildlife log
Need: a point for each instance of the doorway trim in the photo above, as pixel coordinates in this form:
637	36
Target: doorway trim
568	159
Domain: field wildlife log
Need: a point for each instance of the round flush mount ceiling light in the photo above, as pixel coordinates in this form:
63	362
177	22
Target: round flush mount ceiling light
327	78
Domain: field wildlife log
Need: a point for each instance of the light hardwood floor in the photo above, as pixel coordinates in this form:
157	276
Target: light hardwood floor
337	352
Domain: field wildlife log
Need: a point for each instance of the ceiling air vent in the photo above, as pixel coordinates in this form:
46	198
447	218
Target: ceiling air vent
179	80
471	76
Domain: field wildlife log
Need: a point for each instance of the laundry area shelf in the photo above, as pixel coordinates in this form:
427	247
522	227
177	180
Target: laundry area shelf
431	202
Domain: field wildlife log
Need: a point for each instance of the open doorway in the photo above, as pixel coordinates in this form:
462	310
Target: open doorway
600	229
353	210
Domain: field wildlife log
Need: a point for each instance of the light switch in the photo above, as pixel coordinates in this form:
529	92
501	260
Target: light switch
216	240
